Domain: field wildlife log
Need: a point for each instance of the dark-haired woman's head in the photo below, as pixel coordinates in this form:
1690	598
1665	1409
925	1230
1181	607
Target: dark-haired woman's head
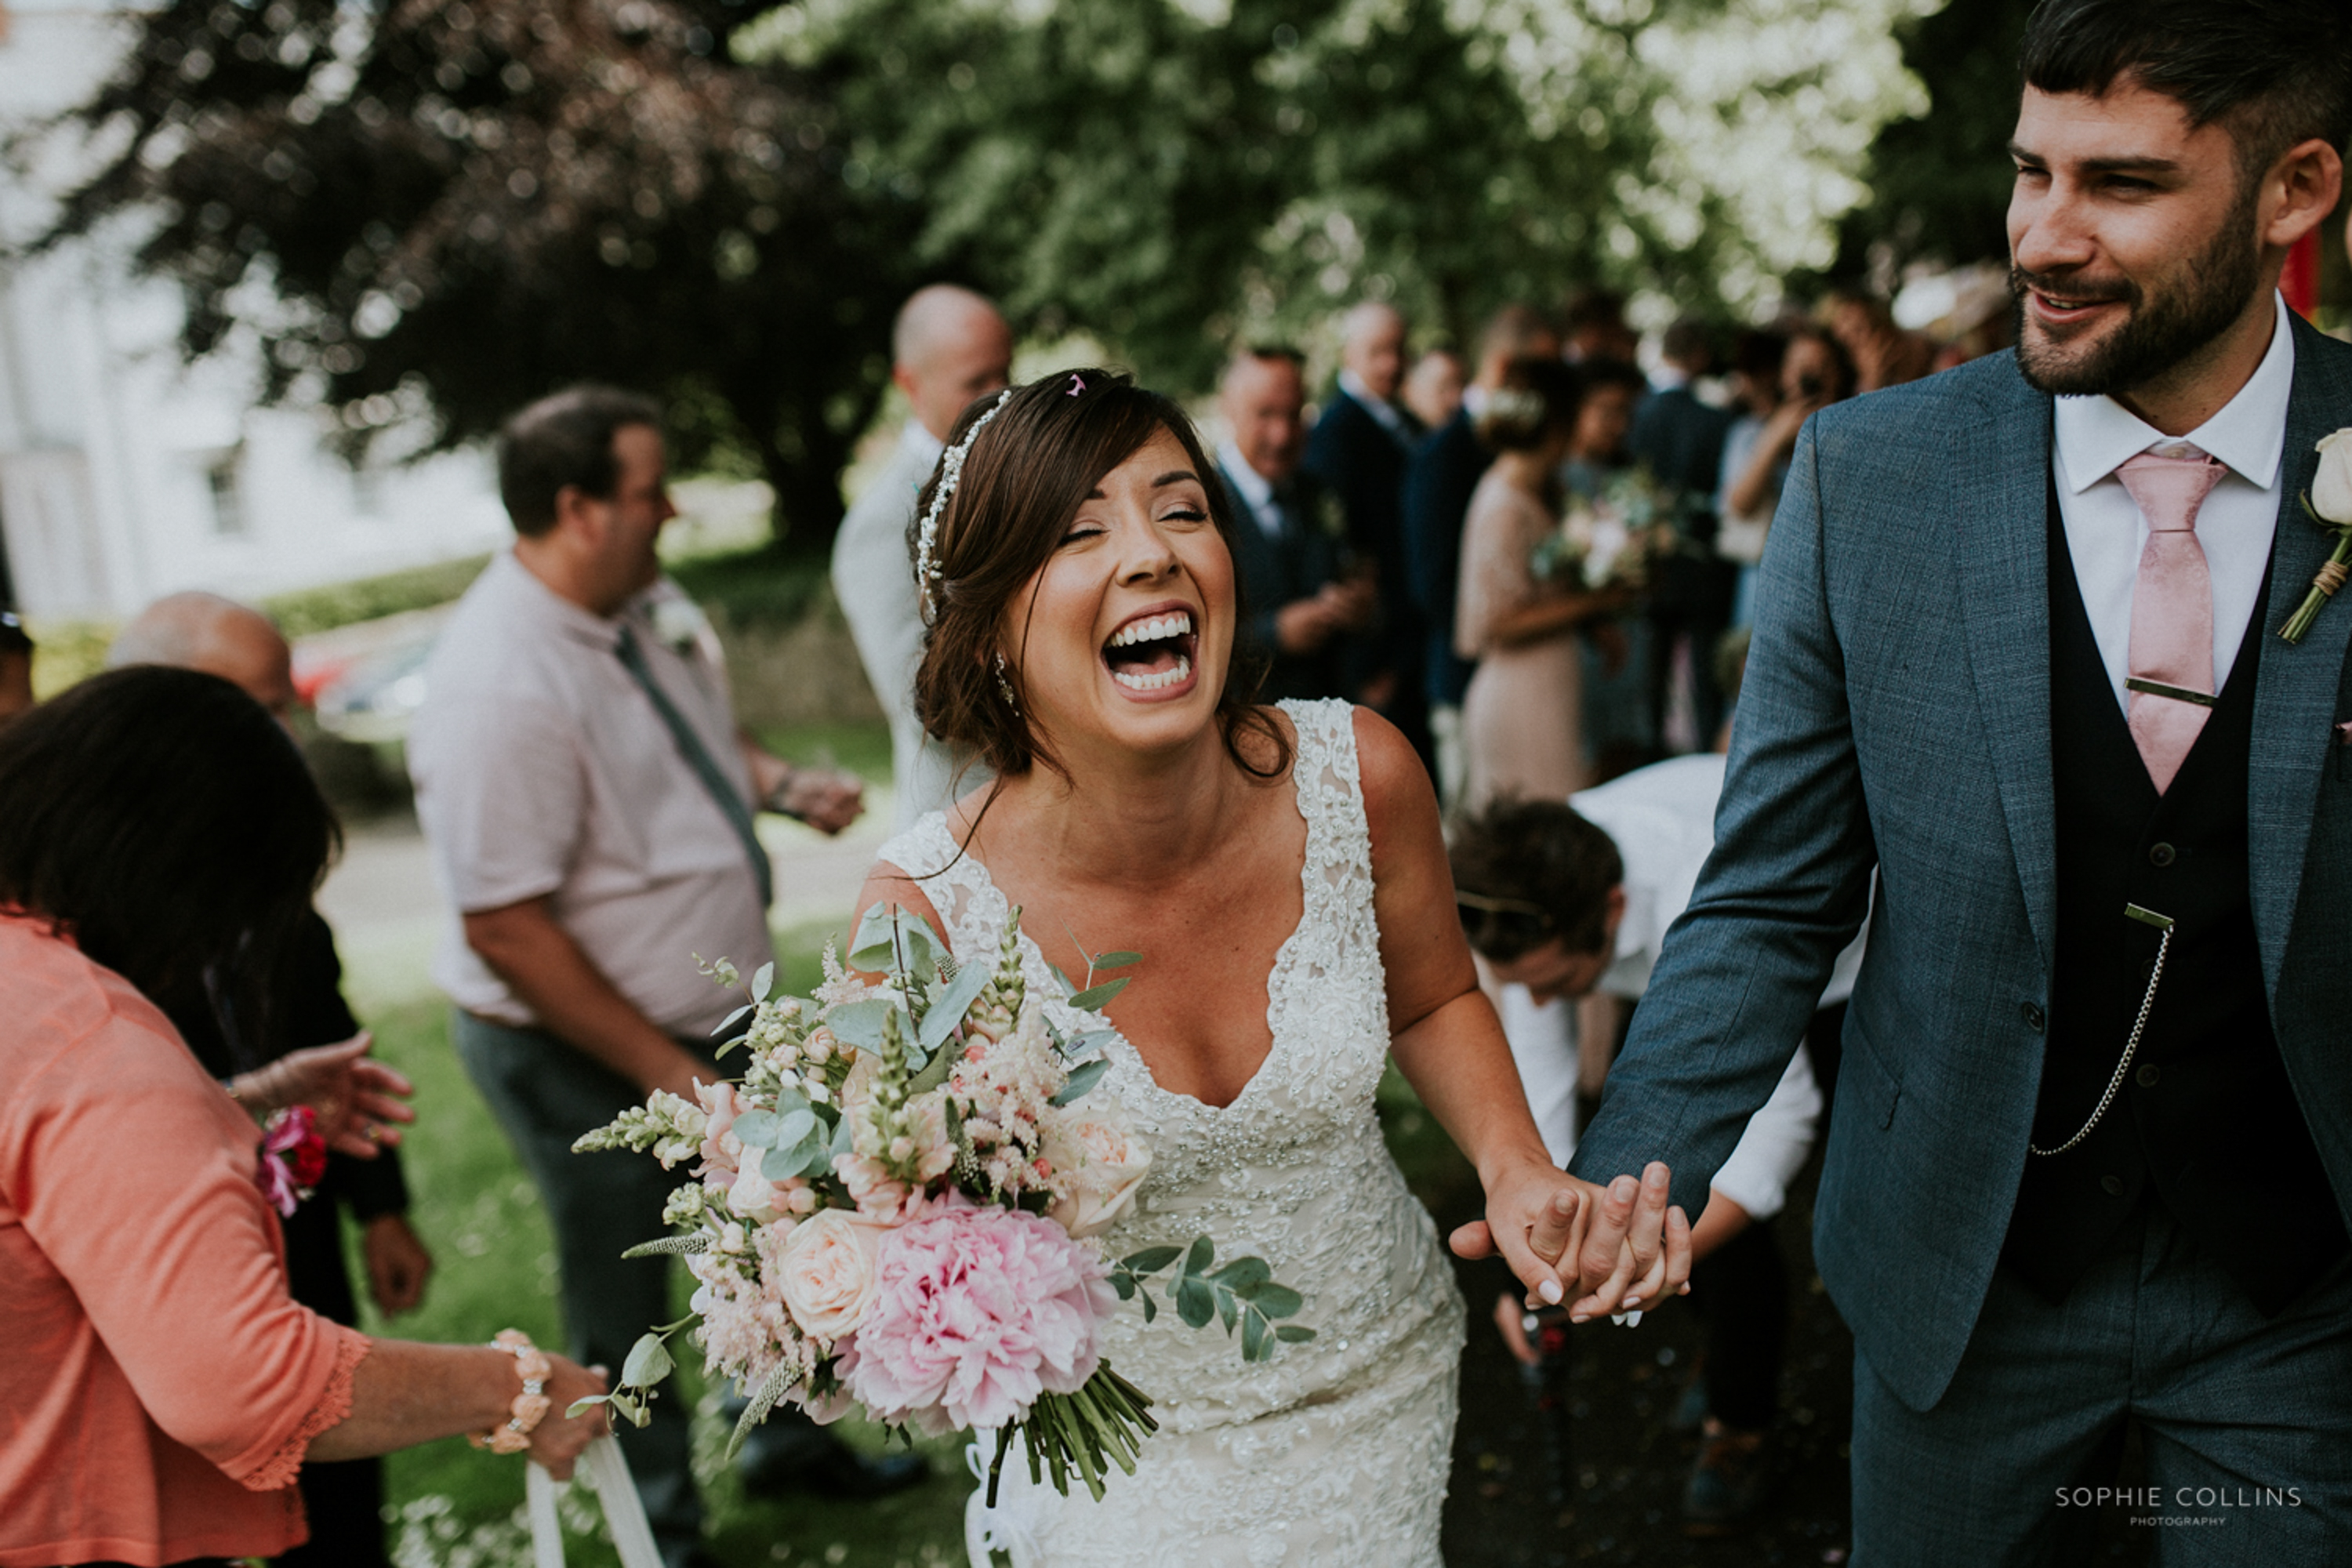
1083	582
1533	408
164	821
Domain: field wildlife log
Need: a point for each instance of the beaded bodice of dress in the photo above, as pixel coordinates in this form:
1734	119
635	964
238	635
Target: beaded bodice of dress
1295	1169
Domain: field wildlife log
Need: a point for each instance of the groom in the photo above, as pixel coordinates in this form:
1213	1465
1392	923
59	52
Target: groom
2017	651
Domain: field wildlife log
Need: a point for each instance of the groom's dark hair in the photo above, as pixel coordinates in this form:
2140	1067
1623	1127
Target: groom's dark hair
1527	872
2277	72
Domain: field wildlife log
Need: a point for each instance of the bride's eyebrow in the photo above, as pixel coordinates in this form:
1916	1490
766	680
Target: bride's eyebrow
1176	477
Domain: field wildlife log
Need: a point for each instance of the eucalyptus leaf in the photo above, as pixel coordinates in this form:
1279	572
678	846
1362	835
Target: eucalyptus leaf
845	1140
649	1361
931	1074
889	933
733	1018
1202	1254
1099	995
1253	1345
757	1129
1116	960
950	1003
793	1126
1227	1309
762	981
1152	1259
1082	1077
859	1023
1277	1301
1292	1333
1196	1303
797	1159
1085	1043
572	1411
1244	1274
1124	1283
1150	1308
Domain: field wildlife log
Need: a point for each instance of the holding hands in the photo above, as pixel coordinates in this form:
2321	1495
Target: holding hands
1614	1249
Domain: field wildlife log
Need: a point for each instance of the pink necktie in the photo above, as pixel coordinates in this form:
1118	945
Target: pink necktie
2170	667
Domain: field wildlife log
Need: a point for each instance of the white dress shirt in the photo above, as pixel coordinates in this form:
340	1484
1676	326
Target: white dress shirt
874	583
1251	489
2105	530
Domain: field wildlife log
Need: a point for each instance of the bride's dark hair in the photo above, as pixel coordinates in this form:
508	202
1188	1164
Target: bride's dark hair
1023	480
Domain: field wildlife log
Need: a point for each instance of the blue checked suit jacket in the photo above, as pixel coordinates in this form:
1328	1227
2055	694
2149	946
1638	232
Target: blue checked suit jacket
1896	716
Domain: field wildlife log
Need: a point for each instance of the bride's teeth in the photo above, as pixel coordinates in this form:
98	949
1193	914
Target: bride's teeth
1152	630
1173	677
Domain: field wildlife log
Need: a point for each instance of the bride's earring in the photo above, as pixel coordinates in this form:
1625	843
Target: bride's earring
1004	684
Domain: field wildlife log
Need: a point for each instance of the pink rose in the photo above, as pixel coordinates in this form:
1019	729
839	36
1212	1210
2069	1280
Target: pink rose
825	1272
720	1151
1098	1162
976	1311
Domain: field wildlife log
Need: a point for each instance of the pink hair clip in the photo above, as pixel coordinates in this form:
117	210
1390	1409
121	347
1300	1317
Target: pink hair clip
1077	384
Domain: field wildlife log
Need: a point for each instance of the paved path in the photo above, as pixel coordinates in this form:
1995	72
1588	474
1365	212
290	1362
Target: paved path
384	900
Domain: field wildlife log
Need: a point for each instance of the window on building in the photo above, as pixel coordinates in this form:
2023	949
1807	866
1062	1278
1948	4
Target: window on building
227	496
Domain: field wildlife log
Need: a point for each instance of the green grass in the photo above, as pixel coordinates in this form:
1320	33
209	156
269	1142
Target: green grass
480	1216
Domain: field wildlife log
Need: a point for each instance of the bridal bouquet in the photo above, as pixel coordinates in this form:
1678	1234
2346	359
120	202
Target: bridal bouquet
1617	538
895	1206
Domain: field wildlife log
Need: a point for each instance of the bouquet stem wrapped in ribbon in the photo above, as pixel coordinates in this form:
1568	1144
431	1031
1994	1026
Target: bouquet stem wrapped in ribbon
897	1207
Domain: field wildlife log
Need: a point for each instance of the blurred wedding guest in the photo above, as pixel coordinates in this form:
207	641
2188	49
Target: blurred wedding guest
344	1501
1572	901
1522	727
1357	452
1620	729
15	666
1815	372
1594	327
1883	354
1433	387
1679	438
589	802
1439	478
1297	602
160	839
949	347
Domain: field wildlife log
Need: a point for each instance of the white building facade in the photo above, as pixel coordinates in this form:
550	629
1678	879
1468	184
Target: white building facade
126	474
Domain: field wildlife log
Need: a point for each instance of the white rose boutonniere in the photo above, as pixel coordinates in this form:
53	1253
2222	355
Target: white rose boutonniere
2329	504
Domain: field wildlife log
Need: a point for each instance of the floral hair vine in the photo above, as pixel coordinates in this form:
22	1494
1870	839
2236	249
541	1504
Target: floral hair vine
927	537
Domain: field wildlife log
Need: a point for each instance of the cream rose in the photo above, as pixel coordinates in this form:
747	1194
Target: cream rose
1097	1152
825	1272
2331	490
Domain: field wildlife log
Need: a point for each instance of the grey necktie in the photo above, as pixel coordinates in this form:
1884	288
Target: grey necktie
706	767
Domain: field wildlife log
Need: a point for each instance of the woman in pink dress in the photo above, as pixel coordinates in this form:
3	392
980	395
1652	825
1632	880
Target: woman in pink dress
1522	718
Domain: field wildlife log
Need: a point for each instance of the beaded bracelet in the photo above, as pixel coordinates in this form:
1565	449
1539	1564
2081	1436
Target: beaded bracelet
531	1405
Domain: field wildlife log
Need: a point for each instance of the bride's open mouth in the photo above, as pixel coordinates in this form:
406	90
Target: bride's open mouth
1154	653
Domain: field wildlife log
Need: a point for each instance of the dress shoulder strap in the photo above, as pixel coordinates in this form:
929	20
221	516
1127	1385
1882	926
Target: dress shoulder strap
1339	869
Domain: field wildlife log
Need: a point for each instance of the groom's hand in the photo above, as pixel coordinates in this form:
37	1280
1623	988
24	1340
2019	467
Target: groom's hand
1635	1250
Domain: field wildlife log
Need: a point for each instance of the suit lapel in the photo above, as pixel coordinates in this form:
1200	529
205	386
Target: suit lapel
2002	465
2296	683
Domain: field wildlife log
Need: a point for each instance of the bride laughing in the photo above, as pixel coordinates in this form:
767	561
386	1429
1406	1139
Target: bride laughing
1282	873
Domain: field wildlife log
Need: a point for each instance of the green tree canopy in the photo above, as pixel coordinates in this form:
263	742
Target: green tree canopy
457	205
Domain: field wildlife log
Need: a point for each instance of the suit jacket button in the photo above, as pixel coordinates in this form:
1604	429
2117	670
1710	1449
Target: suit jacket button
2111	1185
2147	1076
2161	854
2032	1013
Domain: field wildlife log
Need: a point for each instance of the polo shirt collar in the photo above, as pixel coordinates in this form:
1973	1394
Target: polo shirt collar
920	444
2095	436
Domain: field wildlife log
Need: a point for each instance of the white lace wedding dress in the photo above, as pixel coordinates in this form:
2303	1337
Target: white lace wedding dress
1335	1451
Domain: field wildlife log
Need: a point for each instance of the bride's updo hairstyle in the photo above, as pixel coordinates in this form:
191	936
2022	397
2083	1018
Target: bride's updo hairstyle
1037	456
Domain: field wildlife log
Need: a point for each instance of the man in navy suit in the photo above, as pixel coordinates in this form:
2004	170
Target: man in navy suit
2017	653
1356	453
1439	477
1289	547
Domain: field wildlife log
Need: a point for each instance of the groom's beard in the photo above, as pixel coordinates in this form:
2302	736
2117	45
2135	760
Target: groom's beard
2208	294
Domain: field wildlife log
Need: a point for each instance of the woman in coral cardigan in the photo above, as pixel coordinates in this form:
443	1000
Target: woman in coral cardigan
159	835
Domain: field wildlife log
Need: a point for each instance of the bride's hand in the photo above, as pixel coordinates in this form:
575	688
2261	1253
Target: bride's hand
1614	1249
1531	1216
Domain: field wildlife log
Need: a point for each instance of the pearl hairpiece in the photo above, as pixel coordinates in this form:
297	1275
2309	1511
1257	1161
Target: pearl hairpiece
927	537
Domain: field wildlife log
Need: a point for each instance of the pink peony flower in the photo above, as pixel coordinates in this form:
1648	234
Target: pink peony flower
976	1311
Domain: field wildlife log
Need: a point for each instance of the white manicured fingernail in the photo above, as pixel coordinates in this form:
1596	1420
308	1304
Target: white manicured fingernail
1618	1318
1549	1290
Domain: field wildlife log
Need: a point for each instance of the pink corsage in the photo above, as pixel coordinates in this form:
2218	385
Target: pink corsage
293	1158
